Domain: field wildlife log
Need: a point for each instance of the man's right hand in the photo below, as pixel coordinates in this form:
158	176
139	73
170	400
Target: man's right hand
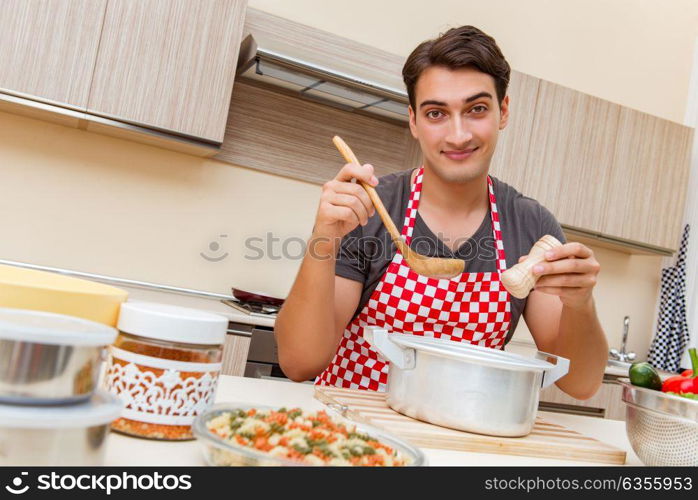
344	204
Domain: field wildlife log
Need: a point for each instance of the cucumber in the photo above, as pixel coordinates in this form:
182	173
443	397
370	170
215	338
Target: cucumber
644	375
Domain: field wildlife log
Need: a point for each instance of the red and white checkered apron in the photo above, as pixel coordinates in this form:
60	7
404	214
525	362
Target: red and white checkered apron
471	307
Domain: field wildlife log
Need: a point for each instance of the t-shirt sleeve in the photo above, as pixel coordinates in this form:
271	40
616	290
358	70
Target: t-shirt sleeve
351	262
550	225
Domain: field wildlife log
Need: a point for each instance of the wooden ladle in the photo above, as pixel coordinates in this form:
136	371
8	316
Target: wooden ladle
433	267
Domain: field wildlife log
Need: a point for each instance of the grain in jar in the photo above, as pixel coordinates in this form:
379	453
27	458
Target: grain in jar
164	366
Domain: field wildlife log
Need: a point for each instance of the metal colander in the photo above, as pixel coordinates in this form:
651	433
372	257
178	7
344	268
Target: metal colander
661	428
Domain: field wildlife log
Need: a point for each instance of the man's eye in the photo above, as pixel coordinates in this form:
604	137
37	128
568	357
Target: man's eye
480	108
434	113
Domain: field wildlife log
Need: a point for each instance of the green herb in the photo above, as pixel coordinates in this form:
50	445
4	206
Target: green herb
369	451
357	451
294	414
358	435
302	449
325	451
316	442
276	428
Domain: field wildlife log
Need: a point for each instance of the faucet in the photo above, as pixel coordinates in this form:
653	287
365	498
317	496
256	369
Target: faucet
622	355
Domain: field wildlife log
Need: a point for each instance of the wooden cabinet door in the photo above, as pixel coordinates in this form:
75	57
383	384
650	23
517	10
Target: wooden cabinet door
647	180
570	154
48	49
169	65
509	160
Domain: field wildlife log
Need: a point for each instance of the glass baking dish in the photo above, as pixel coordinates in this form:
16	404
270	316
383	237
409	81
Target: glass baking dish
219	452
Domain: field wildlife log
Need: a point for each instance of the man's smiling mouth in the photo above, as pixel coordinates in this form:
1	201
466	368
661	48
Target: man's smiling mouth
460	154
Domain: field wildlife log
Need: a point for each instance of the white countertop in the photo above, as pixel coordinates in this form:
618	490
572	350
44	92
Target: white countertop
201	303
127	451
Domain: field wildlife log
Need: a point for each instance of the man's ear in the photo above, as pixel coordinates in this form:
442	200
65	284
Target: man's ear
413	122
504	113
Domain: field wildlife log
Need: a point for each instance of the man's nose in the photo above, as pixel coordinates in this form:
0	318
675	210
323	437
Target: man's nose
459	133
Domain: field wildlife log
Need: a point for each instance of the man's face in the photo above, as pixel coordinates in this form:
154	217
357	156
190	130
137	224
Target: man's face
457	121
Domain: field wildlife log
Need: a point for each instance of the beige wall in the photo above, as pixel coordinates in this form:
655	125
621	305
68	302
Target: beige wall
82	201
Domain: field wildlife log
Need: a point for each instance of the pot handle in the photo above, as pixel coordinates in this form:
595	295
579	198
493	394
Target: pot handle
562	366
402	357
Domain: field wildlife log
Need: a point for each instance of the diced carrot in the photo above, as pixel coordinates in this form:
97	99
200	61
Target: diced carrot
375	460
261	443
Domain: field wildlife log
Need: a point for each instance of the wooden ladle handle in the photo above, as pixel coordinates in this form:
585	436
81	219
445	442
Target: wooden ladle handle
350	157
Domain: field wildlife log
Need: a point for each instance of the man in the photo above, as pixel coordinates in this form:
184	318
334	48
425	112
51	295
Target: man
352	276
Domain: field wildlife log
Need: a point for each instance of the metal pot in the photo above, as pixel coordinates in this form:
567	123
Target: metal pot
463	386
48	358
57	435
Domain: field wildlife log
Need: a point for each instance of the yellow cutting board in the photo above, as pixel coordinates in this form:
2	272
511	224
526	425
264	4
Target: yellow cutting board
22	288
547	440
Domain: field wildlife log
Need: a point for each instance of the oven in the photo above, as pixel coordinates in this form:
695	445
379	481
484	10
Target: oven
262	357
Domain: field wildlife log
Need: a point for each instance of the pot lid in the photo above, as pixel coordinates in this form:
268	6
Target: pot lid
471	353
102	408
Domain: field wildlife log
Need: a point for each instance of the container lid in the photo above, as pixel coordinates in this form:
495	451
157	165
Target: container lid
173	323
52	328
472	353
102	408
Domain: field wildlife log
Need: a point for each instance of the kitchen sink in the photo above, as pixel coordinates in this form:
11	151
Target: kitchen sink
618	364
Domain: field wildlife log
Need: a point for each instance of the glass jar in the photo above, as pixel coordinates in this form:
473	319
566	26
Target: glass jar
164	366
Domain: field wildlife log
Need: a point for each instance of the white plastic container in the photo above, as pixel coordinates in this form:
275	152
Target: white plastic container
164	366
65	435
48	358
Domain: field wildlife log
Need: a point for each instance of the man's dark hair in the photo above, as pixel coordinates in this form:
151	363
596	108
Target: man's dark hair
458	48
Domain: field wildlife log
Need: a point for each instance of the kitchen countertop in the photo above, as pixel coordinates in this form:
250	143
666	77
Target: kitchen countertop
128	451
217	307
201	303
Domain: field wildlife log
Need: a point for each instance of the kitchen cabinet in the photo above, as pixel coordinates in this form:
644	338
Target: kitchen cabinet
168	65
610	175
278	133
570	152
157	72
606	403
48	49
235	352
509	159
647	180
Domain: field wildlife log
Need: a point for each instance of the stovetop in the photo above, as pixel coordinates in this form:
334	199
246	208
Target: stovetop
253	308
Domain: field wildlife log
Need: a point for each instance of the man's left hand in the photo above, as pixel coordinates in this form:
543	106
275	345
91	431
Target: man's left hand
570	272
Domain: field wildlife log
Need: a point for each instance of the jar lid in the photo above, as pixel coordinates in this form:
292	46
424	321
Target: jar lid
173	323
52	328
102	408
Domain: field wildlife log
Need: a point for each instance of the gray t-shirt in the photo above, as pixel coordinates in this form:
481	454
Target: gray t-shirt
367	251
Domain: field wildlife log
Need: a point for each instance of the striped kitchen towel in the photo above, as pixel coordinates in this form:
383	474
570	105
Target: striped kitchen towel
671	337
